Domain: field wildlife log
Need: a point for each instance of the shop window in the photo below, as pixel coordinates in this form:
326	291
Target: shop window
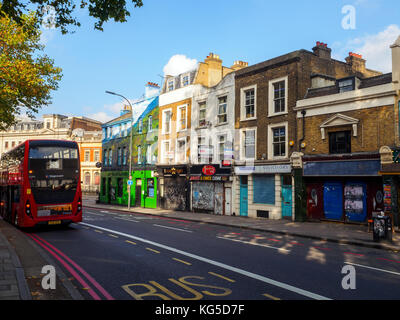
120	187
264	189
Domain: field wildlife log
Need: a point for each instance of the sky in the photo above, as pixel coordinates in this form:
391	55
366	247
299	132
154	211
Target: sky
171	37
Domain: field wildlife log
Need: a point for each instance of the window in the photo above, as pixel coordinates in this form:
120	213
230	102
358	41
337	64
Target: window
202	113
346	85
96	178
181	150
264	189
96	156
105	158
185	80
170	85
140	129
48	124
120	190
279	142
340	142
182	118
6	145
166	122
150	124
166	151
221	147
109	132
87	156
139	154
222	115
110	157
87	178
204	151
13	144
249	103
124	155
119	158
103	186
249	143
148	154
279	96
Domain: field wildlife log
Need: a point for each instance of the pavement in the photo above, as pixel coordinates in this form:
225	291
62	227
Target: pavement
13	284
343	233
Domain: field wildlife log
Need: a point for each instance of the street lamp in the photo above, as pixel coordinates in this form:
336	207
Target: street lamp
130	145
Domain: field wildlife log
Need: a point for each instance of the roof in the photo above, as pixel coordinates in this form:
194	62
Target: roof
364	83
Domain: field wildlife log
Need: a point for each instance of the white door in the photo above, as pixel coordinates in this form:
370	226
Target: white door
228	198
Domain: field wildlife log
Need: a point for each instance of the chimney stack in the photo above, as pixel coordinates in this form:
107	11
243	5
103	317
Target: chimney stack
321	50
396	63
237	65
356	62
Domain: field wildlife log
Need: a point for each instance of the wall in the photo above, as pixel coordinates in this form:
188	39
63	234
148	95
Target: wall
225	88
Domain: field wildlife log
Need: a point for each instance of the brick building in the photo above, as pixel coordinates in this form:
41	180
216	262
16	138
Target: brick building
343	126
188	111
265	96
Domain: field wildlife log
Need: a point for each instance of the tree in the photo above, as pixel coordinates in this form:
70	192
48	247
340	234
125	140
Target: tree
101	10
26	77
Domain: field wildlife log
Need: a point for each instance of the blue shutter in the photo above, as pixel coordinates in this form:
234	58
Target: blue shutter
264	189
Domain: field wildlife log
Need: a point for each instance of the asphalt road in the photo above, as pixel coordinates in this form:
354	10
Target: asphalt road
115	255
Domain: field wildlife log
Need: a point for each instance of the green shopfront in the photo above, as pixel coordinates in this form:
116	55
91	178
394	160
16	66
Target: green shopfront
114	188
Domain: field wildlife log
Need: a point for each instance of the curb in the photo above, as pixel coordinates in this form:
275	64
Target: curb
346	242
74	293
23	288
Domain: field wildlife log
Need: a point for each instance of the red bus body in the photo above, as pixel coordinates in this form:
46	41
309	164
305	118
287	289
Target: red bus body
44	189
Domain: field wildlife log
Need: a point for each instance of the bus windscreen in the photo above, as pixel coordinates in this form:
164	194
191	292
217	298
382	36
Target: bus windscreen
53	173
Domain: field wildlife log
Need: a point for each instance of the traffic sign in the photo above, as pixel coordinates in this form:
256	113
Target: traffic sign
130	182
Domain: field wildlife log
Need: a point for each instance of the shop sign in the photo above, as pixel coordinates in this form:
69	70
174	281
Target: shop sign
174	171
280	168
209	178
208	170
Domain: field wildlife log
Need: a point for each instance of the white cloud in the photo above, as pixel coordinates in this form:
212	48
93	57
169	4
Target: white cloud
100	116
178	64
375	48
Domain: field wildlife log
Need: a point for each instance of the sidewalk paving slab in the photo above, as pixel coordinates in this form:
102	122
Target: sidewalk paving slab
343	233
13	285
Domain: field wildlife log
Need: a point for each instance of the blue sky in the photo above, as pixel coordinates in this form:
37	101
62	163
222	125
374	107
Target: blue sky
125	56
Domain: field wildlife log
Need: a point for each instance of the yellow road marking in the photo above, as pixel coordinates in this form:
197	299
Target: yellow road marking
185	262
131	242
155	251
271	297
222	277
111	235
98	231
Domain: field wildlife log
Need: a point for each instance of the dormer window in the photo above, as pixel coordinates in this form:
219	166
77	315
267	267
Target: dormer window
185	80
346	85
170	85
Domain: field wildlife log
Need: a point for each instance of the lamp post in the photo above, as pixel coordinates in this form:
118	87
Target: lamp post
130	146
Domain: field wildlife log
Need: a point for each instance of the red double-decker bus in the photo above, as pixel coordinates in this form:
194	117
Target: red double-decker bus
40	183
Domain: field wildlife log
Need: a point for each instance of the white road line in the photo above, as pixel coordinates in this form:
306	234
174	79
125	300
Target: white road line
177	229
105	211
377	269
130	220
218	264
255	244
